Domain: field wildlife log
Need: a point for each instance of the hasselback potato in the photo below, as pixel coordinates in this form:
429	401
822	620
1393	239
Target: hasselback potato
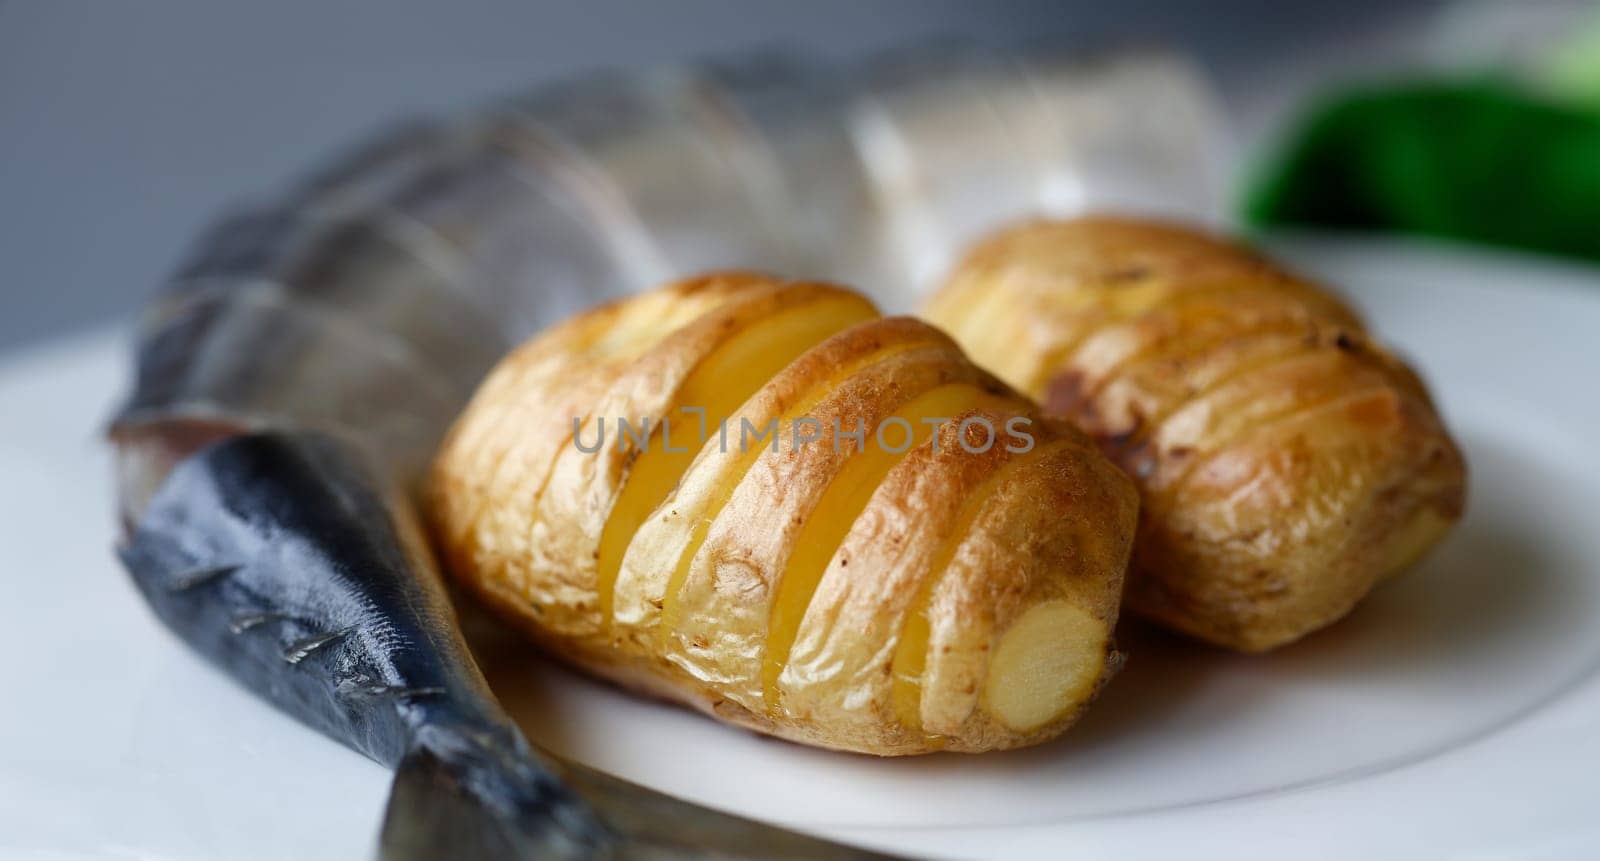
730	544
1286	462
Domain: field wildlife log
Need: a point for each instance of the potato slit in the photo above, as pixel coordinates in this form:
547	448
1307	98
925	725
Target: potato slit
635	330
843	501
1272	421
719	385
668	619
1238	420
985	322
1176	347
487	443
1251	365
911	647
594	346
1125	306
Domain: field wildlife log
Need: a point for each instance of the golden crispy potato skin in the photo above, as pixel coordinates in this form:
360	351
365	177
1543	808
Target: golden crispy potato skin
1286	462
938	587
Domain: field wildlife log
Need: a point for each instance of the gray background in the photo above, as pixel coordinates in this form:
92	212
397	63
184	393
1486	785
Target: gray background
125	126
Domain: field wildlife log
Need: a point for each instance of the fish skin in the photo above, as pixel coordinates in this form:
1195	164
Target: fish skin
283	560
277	558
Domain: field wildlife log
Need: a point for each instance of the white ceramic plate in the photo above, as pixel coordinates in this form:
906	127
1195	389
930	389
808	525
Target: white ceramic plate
1457	711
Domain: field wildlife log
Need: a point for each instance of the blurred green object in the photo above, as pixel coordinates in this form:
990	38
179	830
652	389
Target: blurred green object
1572	68
1477	160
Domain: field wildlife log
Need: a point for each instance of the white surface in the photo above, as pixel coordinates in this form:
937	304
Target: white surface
1457	711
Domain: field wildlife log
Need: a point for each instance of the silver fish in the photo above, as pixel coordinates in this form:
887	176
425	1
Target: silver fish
297	373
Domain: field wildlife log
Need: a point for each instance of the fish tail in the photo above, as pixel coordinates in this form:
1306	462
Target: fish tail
468	793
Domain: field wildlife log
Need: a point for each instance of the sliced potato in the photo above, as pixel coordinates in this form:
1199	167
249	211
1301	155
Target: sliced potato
716	572
1286	463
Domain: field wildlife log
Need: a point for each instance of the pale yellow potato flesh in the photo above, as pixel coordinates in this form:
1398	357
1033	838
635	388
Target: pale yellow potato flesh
579	500
1044	665
1286	463
845	498
717	388
716	578
658	559
838	672
717	617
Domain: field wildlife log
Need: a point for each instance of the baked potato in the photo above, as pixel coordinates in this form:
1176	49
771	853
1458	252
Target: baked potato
1286	462
904	586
